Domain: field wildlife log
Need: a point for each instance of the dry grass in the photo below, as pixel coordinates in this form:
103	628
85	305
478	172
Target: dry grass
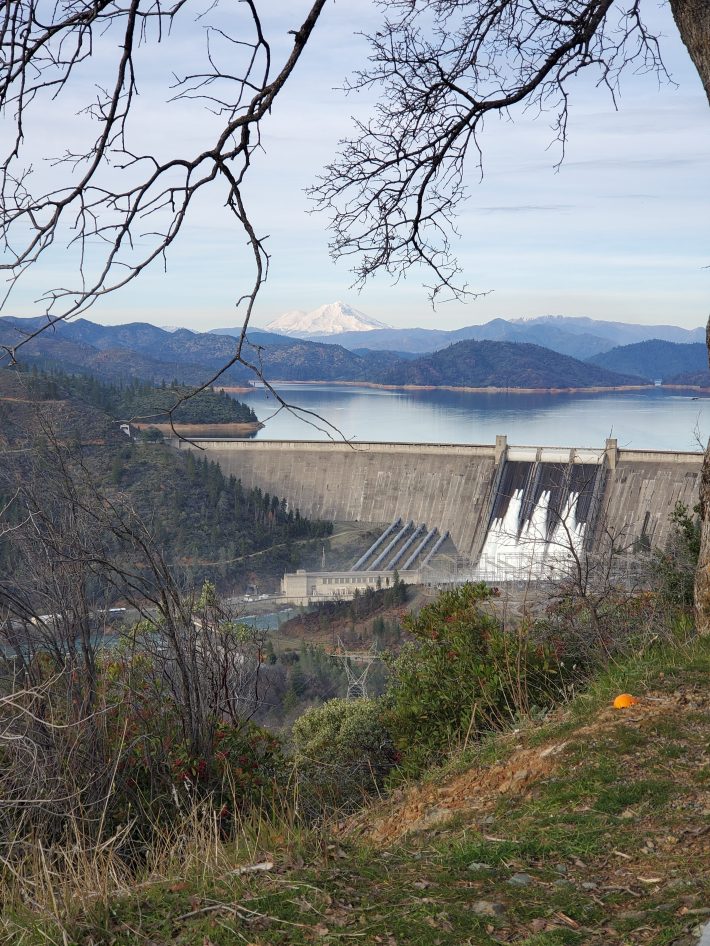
618	783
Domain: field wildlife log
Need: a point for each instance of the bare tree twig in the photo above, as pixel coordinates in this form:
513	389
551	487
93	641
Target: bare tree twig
441	68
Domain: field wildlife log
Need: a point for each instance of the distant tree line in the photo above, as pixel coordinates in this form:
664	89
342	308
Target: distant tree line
143	401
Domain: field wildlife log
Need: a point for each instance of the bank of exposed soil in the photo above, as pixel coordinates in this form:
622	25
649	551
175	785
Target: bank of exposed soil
218	431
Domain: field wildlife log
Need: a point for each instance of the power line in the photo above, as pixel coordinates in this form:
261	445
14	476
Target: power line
357	679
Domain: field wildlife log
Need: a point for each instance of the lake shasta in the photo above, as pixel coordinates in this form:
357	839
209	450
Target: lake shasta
648	419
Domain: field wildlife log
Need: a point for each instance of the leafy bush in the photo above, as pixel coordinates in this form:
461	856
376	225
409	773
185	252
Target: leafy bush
675	566
343	752
461	674
180	693
586	632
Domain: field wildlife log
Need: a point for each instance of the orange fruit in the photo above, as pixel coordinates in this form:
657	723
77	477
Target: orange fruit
624	700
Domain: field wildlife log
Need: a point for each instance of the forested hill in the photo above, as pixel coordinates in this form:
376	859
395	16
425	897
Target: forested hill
142	401
654	359
502	365
207	525
692	379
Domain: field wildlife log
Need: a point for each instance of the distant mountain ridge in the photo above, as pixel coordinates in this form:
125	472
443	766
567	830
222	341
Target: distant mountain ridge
622	333
141	350
578	337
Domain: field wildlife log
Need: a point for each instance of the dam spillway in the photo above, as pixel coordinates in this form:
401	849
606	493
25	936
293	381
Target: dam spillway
543	485
543	513
468	489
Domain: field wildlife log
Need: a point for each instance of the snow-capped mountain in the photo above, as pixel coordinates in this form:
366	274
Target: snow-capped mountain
331	319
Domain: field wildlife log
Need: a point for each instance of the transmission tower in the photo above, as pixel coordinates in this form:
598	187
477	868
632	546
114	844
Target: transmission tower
357	678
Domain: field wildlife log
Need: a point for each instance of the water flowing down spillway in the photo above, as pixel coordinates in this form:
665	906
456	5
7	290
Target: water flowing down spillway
532	553
539	522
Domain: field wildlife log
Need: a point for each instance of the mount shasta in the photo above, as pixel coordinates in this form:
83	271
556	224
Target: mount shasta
335	318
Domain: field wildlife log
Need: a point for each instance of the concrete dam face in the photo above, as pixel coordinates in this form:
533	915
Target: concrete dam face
494	500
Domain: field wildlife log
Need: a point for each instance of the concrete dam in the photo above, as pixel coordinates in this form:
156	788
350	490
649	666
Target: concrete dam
493	500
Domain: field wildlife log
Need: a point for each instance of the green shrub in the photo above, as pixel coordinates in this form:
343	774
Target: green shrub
159	774
675	566
460	675
342	752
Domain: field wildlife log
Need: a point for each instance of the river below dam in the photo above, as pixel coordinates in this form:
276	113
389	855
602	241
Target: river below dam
649	419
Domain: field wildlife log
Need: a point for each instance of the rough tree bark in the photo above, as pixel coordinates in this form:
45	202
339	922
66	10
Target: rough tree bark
702	575
692	18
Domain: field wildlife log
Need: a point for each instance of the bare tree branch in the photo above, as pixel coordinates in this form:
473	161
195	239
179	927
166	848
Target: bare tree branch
120	229
442	67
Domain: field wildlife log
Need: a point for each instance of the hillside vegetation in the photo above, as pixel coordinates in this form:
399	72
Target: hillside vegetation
143	402
699	379
501	364
206	524
588	828
654	359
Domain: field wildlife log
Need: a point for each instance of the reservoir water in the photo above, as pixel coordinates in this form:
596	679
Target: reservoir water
651	419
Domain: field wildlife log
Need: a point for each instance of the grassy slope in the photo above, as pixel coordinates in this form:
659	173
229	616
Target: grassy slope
610	830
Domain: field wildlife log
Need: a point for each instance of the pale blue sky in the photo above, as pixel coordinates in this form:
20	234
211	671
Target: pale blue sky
619	232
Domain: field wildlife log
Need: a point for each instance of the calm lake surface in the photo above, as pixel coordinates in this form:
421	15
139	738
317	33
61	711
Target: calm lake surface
653	419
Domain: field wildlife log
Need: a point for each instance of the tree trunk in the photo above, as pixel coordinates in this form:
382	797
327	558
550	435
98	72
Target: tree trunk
692	18
702	575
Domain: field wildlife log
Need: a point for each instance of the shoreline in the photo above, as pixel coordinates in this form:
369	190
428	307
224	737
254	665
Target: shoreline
704	389
197	430
488	390
235	388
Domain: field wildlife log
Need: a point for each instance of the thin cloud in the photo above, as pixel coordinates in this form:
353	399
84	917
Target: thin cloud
526	208
657	163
